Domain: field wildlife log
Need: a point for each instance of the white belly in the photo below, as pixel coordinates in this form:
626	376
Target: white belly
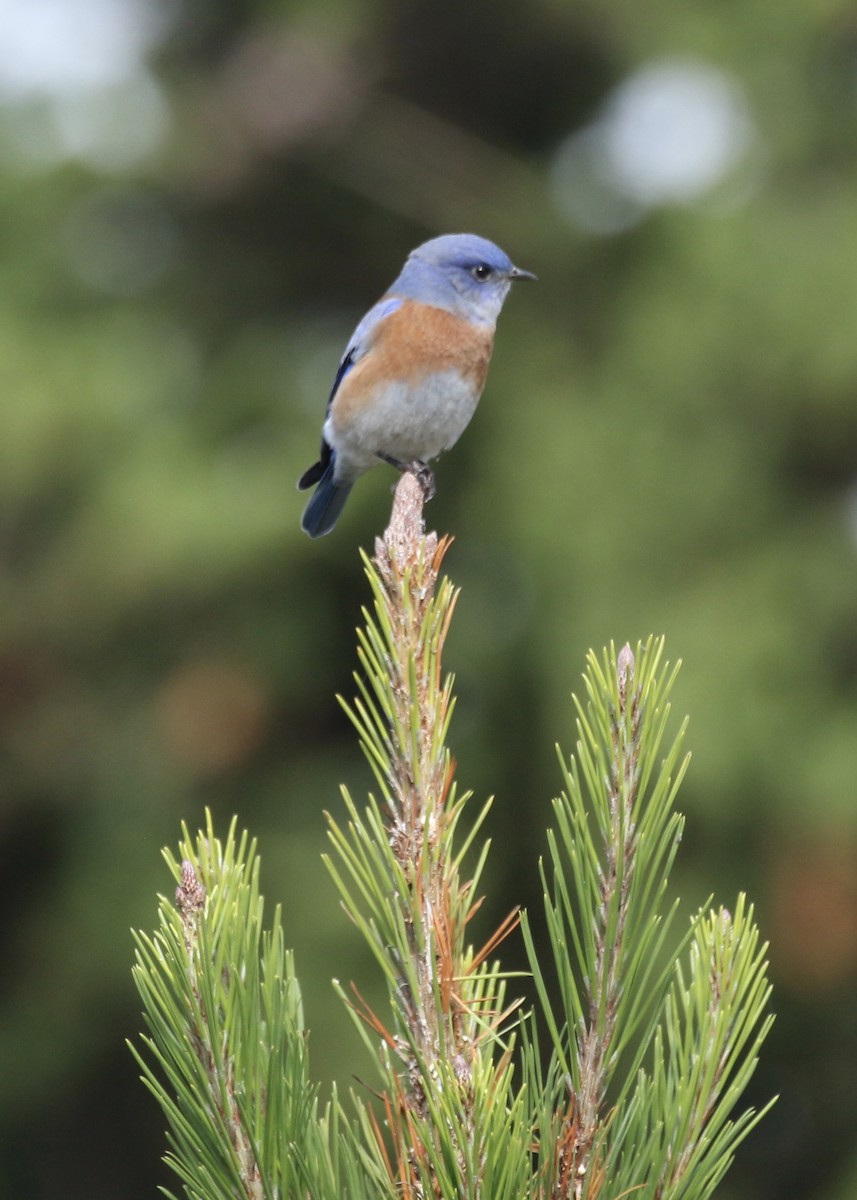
404	422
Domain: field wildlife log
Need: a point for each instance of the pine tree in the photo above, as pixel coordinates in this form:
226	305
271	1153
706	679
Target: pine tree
624	1080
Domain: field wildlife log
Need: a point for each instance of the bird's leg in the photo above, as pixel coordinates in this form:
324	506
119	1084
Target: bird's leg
421	471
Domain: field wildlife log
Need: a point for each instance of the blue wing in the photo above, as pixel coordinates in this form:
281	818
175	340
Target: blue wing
361	340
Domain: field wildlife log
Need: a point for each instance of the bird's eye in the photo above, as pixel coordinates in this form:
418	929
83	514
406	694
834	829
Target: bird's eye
482	272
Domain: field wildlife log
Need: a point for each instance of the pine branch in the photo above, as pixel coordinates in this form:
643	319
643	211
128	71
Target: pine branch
652	1037
609	1122
226	1055
446	1065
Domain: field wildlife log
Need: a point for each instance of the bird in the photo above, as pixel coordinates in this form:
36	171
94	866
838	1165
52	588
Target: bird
413	371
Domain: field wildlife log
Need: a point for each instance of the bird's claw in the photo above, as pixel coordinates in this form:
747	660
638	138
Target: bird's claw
421	471
424	476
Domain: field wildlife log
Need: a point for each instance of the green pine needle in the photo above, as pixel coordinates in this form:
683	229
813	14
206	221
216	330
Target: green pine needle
625	1080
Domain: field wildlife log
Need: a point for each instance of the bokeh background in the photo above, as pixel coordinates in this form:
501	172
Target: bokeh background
198	199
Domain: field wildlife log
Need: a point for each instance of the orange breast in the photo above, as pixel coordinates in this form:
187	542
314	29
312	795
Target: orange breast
415	341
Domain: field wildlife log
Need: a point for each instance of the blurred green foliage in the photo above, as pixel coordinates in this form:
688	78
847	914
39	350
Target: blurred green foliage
668	443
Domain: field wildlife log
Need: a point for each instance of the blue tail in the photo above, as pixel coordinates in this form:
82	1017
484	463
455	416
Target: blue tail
325	505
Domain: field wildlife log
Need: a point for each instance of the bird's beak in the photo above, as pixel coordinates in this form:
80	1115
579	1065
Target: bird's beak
518	273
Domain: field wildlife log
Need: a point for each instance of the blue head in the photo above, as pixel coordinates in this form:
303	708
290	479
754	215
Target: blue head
462	273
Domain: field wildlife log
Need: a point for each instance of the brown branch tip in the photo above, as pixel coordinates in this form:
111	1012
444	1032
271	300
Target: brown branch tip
190	894
400	544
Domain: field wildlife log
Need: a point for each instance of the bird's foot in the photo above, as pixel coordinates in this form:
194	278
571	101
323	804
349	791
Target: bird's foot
424	476
421	471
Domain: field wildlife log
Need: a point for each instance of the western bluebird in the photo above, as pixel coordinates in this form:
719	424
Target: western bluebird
414	369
